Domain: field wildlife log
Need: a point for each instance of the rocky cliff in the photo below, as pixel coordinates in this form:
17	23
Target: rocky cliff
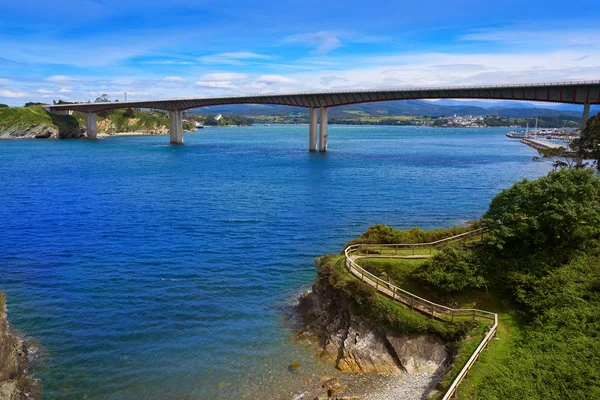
38	131
355	344
15	384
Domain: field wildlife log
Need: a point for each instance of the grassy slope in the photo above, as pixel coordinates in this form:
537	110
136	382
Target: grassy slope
36	115
399	272
553	353
30	116
389	313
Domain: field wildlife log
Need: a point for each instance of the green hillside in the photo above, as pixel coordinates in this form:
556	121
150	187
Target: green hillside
538	267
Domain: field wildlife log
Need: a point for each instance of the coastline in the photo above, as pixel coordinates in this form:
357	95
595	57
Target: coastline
372	361
15	381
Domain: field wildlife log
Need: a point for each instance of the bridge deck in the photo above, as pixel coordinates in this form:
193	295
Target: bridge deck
587	92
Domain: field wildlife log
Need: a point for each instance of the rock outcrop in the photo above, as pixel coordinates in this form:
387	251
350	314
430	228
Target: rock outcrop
355	344
15	384
39	131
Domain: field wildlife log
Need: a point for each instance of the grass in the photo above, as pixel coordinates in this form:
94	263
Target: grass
36	115
25	116
383	310
120	120
509	333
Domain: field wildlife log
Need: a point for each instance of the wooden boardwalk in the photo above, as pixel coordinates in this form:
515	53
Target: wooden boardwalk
416	303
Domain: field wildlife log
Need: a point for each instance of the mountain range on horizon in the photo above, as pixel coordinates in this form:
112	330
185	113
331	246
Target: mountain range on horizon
435	108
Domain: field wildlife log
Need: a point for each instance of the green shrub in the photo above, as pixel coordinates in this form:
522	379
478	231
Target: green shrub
384	234
451	271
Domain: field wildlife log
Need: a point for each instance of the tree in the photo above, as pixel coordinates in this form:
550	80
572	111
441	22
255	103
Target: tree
129	113
3	105
548	216
452	271
560	159
588	145
210	120
33	103
103	99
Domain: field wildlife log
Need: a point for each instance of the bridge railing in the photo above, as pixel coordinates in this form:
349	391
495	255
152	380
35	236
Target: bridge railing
419	304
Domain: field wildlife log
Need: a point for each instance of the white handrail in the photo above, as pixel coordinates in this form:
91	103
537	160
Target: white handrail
423	305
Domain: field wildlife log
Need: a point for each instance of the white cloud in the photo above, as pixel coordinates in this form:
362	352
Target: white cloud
59	78
325	41
175	79
554	37
167	62
216	84
12	93
233	58
224	76
275	79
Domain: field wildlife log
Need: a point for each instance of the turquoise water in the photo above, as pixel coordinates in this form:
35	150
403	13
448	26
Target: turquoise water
152	271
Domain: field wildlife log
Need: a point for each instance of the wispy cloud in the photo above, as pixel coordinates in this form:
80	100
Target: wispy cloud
224	76
12	93
276	79
167	62
534	36
325	41
59	78
221	80
216	84
233	58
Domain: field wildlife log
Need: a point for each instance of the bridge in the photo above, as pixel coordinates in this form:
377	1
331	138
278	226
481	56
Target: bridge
318	104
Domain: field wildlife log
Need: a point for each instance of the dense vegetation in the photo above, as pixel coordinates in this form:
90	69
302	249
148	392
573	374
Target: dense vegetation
539	268
387	235
588	146
225	120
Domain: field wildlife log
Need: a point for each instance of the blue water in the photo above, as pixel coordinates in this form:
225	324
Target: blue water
151	271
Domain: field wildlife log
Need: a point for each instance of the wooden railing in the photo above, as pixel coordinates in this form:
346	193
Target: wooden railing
415	250
417	303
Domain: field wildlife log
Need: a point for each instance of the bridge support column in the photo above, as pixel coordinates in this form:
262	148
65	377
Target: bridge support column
176	126
91	126
586	116
323	129
312	129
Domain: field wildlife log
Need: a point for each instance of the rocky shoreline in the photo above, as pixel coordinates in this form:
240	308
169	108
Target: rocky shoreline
374	362
39	131
15	381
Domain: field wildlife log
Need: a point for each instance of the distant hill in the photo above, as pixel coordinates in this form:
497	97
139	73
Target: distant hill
437	108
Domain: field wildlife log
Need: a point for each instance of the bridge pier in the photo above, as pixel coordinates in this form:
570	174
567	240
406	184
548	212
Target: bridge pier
176	126
586	116
323	129
91	126
312	129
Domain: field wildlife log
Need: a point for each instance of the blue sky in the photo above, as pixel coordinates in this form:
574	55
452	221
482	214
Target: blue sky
77	50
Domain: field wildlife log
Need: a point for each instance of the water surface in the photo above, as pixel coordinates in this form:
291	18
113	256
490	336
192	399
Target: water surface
153	271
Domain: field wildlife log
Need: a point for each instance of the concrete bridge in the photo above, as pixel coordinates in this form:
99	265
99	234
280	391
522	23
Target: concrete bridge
583	92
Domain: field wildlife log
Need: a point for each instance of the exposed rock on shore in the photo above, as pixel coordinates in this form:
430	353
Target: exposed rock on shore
39	131
15	384
354	344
